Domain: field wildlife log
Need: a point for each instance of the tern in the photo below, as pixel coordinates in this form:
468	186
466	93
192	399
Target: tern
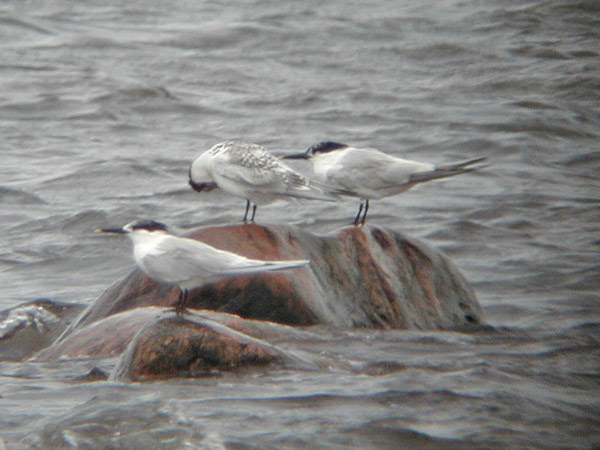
251	172
186	262
368	173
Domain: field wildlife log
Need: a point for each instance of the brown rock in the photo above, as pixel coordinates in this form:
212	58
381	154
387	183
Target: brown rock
192	345
358	277
106	337
156	343
113	334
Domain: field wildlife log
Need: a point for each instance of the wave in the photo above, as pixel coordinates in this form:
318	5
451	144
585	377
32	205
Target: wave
26	24
18	196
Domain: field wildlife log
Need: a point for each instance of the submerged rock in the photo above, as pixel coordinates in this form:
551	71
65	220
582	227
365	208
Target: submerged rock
358	277
31	326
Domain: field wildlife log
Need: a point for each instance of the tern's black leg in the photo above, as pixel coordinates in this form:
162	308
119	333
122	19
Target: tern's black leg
356	221
181	305
245	220
364	217
253	213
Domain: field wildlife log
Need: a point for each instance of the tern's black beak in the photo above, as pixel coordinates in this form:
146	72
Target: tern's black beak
302	155
111	230
203	187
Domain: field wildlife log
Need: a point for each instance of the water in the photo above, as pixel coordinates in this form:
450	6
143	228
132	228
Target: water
104	104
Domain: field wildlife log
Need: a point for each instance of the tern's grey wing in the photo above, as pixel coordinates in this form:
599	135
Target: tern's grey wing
254	166
356	168
372	170
180	260
448	170
252	169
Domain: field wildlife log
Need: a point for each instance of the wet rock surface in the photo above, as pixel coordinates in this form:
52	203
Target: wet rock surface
156	343
31	326
112	335
191	345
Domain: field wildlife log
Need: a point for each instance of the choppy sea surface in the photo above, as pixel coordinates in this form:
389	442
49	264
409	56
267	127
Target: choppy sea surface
104	104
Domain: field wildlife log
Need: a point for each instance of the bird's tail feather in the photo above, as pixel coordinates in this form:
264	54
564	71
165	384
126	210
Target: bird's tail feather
313	192
448	170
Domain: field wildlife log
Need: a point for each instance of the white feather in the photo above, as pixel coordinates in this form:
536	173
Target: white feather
190	263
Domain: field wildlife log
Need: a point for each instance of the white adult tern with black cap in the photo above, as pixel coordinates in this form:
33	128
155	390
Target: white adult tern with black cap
186	262
367	173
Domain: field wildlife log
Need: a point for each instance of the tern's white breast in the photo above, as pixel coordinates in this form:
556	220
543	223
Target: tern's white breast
145	243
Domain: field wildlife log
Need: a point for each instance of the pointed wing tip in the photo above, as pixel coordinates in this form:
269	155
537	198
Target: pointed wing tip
470	162
291	264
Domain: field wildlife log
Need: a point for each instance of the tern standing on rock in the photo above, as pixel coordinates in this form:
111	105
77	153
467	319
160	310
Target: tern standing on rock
367	173
251	172
186	262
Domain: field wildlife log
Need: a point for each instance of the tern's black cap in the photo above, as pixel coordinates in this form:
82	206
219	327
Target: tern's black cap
319	147
149	225
325	147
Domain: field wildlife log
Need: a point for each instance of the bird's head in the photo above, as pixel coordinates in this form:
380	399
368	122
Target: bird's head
317	149
200	179
137	225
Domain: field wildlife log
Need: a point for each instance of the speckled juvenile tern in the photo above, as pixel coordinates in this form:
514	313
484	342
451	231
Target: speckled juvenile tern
249	171
367	173
186	262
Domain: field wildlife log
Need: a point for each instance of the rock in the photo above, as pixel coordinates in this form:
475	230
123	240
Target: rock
112	335
191	346
95	374
106	337
156	343
31	326
358	277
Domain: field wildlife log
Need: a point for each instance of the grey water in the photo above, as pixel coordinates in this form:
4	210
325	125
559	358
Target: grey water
104	104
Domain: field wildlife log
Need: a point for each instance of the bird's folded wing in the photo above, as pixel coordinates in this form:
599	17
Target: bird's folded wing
273	178
448	170
253	176
373	170
178	260
355	170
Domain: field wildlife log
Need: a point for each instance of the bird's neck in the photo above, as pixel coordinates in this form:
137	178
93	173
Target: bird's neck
323	161
143	237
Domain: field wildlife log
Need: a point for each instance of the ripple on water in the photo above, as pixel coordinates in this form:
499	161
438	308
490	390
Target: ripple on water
18	196
151	424
104	104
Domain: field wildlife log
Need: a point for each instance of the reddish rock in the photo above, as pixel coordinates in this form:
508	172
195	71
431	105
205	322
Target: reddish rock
106	337
358	277
156	343
192	345
111	336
